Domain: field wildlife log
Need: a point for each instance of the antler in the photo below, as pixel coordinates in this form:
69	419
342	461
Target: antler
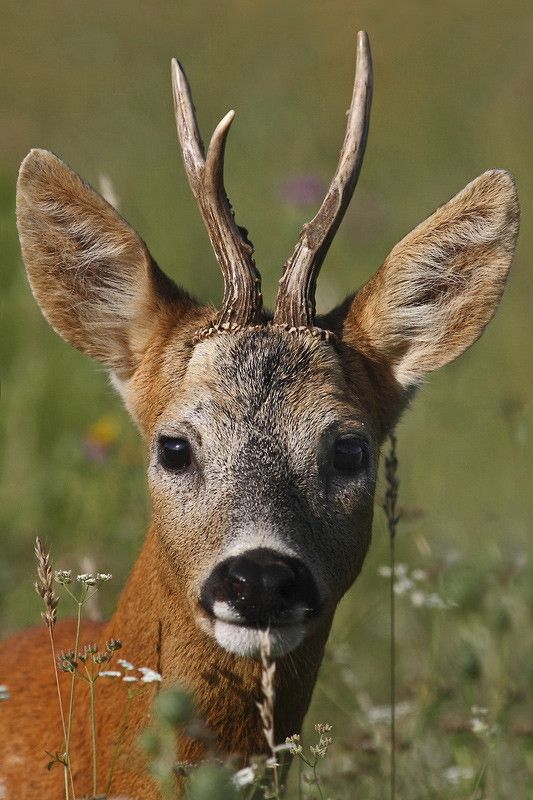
242	301
296	296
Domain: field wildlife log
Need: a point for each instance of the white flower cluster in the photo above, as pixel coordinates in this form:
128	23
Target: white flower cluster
4	693
293	743
64	577
479	724
93	580
377	714
409	583
247	775
456	775
147	675
320	750
244	777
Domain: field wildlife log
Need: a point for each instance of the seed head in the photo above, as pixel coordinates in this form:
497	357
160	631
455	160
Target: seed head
63	576
87	579
44	585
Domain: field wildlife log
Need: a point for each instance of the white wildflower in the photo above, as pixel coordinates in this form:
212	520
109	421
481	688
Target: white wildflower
4	692
479	711
403	585
435	601
349	677
63	576
293	743
281	748
419	575
87	579
103	577
400	571
422	600
130	679
456	775
110	673
383	713
128	666
418	598
244	777
149	675
323	727
478	725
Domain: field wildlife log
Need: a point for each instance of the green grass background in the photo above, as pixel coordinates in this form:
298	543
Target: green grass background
453	97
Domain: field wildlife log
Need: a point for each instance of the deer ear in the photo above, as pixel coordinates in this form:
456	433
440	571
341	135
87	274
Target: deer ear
440	285
91	274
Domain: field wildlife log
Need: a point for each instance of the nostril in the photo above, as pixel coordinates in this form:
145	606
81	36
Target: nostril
241	579
279	579
242	570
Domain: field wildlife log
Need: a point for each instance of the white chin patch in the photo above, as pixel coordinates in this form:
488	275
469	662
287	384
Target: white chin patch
245	641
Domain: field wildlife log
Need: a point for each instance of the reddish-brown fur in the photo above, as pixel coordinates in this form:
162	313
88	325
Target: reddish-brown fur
98	286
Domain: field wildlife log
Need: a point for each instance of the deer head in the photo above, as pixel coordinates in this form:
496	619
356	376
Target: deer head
263	430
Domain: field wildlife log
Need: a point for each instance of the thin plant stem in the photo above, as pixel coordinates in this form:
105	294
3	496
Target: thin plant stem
392	669
118	741
61	710
72	687
392	515
480	777
65	774
93	730
317	781
44	586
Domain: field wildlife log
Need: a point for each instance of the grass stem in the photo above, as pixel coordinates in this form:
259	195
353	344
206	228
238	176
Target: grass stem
317	781
93	731
61	710
72	689
391	513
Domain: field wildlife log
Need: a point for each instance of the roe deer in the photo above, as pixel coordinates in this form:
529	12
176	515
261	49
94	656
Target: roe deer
263	432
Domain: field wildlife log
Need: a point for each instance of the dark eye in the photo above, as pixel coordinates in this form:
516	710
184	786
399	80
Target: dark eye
349	454
175	454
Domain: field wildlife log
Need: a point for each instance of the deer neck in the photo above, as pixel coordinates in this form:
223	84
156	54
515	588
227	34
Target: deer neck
155	623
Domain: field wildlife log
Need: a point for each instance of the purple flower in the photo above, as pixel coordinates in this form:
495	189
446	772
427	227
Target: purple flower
302	190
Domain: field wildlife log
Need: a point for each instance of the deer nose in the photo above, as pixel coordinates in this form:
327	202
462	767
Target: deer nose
261	588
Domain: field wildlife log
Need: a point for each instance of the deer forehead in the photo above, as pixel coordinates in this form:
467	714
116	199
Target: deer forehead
264	380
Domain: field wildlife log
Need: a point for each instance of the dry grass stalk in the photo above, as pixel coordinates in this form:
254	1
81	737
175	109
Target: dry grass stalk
44	587
393	483
266	707
393	517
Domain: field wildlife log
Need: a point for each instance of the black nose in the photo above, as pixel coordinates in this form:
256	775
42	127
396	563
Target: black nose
263	588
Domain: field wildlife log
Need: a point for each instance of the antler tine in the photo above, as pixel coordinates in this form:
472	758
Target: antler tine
242	301
296	296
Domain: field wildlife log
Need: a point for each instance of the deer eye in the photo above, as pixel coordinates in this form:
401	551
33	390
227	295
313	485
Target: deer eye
349	455
174	453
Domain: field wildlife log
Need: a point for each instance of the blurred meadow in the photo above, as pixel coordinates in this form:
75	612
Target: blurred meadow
453	97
